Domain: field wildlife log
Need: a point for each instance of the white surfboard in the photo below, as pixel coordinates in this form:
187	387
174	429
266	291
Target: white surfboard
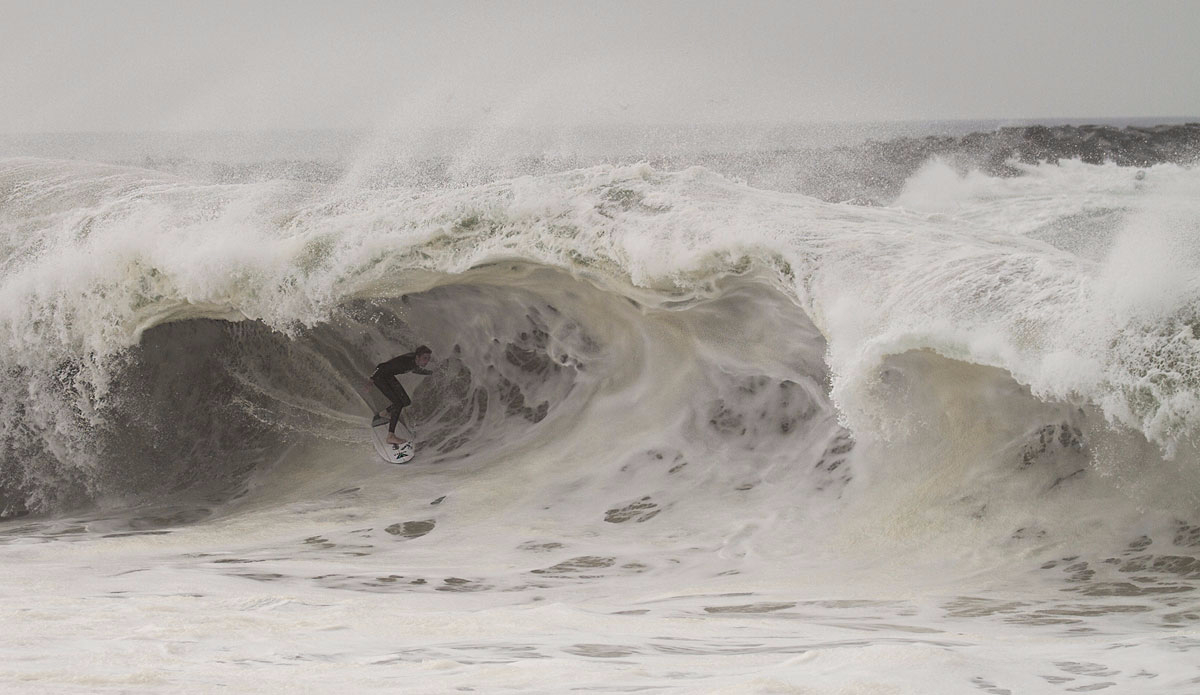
390	453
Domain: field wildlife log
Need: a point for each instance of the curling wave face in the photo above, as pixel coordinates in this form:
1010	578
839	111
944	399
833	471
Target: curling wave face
168	335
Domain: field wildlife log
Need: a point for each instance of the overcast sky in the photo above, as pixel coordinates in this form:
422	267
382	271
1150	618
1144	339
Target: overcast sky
136	65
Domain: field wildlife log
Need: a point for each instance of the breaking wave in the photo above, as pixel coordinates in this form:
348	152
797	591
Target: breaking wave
981	343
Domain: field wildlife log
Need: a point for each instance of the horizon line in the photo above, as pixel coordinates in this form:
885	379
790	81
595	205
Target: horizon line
367	130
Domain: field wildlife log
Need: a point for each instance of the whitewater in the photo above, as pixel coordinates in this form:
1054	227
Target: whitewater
693	427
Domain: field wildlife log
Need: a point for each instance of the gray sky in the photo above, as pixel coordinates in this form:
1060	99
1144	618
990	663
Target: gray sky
136	65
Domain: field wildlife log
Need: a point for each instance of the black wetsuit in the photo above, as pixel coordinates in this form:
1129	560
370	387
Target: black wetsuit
385	380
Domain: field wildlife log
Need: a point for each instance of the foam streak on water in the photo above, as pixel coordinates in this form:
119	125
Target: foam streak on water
683	434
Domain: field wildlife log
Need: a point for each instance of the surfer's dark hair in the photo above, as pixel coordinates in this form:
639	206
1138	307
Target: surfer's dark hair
422	350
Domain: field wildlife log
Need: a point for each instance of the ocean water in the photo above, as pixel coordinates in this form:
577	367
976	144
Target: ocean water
688	431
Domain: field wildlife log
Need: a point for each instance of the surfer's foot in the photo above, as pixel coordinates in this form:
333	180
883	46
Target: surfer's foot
392	439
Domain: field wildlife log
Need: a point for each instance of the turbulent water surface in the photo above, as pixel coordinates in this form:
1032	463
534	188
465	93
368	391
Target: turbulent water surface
706	425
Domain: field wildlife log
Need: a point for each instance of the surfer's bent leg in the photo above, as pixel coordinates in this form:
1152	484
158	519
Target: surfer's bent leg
395	393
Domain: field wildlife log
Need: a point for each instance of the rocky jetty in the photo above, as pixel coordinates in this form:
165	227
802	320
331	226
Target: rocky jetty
874	172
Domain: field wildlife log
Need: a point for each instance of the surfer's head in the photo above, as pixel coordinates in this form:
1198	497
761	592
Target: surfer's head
423	354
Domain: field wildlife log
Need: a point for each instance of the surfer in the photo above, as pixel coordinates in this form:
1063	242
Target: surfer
384	378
